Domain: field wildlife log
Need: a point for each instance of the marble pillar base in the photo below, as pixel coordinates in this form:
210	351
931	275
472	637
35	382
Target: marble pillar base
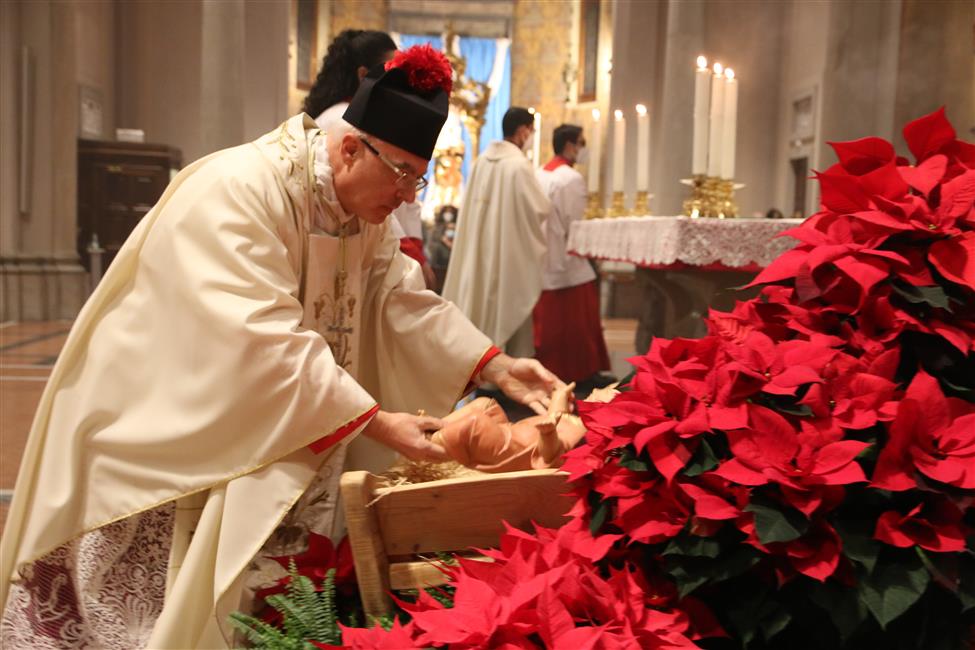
41	288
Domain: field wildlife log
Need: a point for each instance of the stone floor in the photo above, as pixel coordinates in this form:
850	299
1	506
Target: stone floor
28	352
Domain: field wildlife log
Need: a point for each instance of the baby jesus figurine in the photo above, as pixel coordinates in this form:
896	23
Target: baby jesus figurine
480	436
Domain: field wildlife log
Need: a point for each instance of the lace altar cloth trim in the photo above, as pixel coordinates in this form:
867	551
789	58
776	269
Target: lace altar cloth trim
103	590
666	240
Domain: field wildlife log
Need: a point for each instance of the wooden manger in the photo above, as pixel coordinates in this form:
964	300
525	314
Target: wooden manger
392	528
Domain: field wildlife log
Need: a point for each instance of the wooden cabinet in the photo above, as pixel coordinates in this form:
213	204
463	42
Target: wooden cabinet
118	183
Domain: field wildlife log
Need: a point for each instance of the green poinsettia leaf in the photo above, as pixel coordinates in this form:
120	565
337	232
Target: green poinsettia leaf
776	524
934	296
688	578
891	589
632	462
703	460
693	546
775	622
966	581
691	572
859	546
600	510
845	610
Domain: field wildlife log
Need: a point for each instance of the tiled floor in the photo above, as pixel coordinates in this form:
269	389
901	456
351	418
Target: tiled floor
28	352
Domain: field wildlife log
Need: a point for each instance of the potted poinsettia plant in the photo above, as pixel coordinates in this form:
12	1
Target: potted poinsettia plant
801	477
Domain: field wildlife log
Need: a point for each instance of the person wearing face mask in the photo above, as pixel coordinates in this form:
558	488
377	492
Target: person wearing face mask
568	333
495	271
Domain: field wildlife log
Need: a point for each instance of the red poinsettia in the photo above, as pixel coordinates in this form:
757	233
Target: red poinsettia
815	554
771	450
935	524
933	435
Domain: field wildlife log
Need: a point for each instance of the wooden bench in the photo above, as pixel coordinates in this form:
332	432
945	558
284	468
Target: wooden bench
388	527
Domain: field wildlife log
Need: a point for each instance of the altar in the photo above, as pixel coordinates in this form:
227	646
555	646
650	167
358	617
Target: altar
683	265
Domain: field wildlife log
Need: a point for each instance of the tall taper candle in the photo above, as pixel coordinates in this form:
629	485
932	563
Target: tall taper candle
537	139
619	150
702	103
594	138
715	136
642	149
729	124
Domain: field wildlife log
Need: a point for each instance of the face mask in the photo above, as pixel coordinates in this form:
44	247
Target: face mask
582	156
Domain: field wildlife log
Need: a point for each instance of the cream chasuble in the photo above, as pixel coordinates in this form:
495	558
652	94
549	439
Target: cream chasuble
245	318
495	271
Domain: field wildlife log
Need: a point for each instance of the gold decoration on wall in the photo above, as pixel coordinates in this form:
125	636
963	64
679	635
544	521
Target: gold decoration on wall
469	97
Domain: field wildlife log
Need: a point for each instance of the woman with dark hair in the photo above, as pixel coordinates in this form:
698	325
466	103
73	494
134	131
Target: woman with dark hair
350	56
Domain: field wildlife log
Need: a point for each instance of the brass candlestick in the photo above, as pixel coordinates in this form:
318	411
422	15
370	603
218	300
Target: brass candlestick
711	197
642	204
617	208
593	209
694	206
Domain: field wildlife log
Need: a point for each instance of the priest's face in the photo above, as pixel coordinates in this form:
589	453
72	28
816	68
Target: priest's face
375	177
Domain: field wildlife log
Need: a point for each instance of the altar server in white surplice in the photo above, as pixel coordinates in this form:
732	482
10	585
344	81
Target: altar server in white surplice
495	271
568	332
259	318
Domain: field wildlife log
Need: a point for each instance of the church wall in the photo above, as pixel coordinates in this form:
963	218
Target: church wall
39	274
358	14
936	65
540	50
860	75
747	36
804	34
159	78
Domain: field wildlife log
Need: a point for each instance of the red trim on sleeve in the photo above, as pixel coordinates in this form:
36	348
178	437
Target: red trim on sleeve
413	247
336	436
492	352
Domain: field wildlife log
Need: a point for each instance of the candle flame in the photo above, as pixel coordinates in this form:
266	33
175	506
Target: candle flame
595	114
718	68
702	62
729	73
641	110
619	115
531	109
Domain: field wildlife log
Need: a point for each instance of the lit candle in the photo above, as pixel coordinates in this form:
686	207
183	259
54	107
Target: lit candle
537	138
643	149
619	150
729	124
702	102
595	145
715	137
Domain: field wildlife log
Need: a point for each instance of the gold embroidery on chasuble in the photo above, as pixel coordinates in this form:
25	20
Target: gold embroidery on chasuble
334	311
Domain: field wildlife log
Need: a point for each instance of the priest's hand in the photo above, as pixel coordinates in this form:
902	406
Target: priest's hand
523	380
406	433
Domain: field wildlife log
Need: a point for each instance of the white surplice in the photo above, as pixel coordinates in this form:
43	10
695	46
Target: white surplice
245	318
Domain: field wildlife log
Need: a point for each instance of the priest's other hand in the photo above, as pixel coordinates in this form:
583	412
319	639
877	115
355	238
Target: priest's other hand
406	433
523	380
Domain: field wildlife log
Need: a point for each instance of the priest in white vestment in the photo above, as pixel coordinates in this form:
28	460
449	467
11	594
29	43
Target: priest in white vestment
258	319
495	271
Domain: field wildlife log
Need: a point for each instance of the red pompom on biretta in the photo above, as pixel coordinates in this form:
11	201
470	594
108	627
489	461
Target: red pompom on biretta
426	69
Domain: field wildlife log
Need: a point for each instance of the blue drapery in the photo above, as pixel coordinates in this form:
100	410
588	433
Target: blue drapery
480	54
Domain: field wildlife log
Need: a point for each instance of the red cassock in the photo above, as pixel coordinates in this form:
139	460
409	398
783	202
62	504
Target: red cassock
568	333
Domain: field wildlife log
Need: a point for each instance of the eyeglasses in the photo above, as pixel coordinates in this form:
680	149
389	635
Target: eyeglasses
404	179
